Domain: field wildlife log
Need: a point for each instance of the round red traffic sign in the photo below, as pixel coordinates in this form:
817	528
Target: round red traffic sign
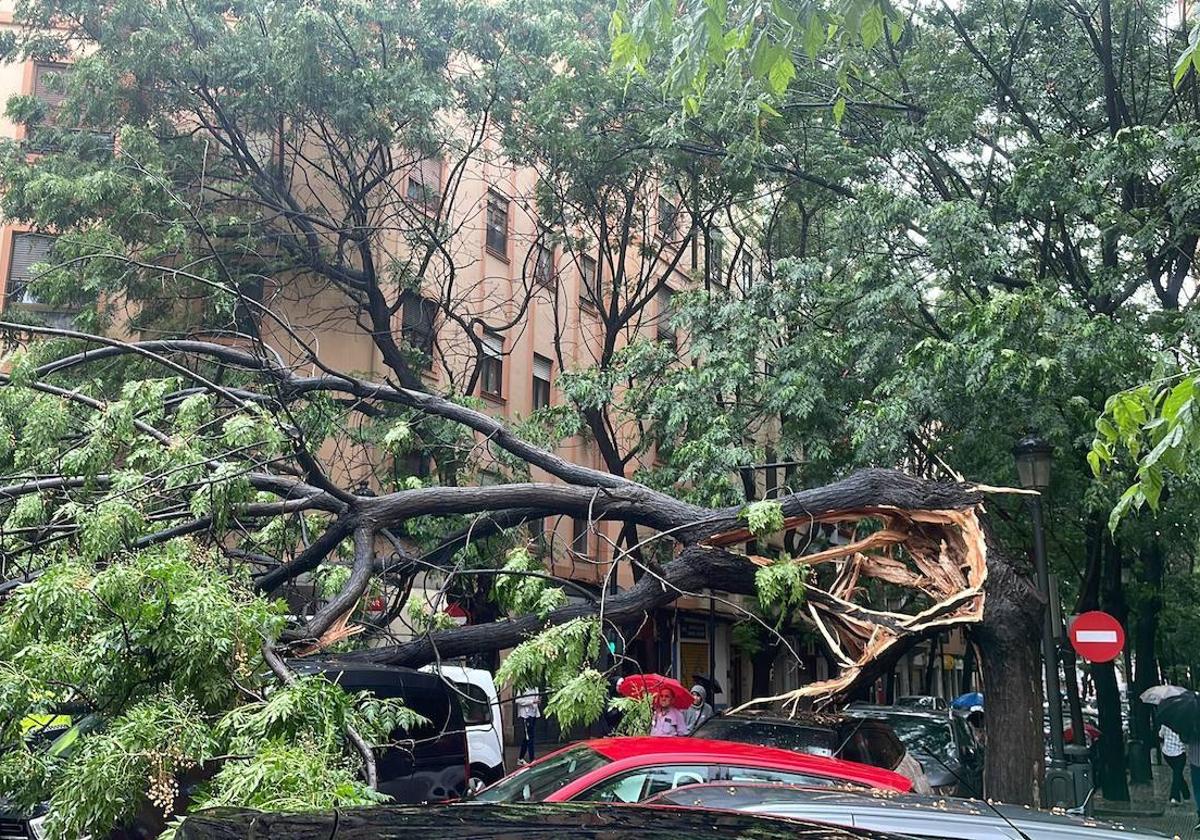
1097	636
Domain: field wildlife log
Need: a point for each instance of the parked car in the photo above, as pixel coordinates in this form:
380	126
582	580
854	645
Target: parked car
923	702
633	769
943	743
853	739
476	693
909	815
429	764
509	822
426	765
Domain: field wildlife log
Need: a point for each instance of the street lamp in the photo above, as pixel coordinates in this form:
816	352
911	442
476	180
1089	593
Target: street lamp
1034	456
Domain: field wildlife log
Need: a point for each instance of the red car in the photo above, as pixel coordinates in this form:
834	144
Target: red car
634	769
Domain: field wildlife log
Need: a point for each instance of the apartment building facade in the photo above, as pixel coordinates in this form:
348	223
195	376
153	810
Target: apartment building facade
501	264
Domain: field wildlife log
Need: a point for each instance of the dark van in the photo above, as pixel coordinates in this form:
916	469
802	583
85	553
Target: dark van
430	764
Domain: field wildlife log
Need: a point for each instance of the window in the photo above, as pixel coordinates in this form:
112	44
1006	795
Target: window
785	777
49	88
579	536
543	265
639	785
476	706
714	256
589	286
425	183
497	224
668	219
493	363
537	529
541	382
536	782
417	326
665	332
814	740
747	272
412	464
28	250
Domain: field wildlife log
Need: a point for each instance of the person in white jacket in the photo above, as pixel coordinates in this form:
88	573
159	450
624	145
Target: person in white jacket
529	709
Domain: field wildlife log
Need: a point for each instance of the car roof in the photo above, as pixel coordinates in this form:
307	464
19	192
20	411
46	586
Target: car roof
589	821
771	716
865	709
841	801
650	750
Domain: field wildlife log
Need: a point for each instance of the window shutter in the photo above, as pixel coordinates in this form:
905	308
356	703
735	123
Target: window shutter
493	345
28	250
48	84
541	368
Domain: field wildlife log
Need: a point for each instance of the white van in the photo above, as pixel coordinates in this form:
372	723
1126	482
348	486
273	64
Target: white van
481	711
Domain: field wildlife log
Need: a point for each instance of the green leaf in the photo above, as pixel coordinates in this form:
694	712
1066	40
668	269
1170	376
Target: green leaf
839	110
781	74
763	517
872	26
1178	397
814	36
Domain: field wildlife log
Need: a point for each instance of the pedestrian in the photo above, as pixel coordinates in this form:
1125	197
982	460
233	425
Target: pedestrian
529	709
1193	759
700	710
667	719
1175	754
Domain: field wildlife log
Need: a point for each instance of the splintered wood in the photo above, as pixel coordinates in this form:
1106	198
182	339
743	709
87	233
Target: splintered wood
938	554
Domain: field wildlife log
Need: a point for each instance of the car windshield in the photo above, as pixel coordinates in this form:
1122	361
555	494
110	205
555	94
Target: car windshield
537	781
931	737
784	736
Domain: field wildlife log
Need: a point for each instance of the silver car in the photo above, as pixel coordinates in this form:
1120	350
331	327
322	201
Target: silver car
906	814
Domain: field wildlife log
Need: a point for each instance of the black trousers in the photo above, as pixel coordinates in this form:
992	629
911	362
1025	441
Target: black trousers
529	730
1179	788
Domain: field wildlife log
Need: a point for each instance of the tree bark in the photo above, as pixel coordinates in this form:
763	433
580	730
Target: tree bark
1010	660
1145	659
1114	783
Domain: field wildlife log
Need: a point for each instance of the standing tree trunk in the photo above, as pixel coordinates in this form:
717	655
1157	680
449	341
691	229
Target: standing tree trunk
1149	604
1113	782
1011	666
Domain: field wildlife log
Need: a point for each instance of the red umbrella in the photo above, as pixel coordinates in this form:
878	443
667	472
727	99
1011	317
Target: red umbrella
638	685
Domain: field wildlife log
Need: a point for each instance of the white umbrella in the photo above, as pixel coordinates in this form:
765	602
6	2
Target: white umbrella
1159	693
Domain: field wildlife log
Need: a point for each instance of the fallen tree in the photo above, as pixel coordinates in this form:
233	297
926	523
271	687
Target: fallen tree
220	454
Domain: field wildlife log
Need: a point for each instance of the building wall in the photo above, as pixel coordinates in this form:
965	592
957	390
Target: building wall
486	284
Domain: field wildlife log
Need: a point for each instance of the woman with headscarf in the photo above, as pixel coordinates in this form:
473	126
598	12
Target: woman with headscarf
700	710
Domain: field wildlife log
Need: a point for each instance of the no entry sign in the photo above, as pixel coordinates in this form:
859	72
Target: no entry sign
1097	636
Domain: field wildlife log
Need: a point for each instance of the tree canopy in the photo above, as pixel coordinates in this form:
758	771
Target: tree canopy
985	226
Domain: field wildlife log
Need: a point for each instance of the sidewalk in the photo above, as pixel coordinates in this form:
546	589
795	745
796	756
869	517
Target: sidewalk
1174	820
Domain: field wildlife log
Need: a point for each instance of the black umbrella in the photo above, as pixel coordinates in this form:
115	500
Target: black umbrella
1182	714
711	686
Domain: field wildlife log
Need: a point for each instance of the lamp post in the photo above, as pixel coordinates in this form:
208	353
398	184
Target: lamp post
1034	456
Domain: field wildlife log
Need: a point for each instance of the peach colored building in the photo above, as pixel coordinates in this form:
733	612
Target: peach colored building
499	267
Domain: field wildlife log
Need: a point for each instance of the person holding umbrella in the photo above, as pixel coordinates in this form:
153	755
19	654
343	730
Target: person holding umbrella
668	720
667	697
1174	752
1181	713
